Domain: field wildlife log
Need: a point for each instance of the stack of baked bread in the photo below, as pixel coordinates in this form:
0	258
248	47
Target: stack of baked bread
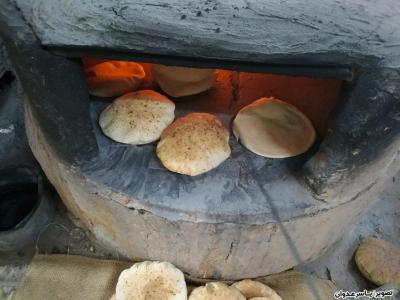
197	142
162	280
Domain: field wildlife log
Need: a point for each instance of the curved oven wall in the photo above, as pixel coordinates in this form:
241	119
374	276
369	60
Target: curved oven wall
213	238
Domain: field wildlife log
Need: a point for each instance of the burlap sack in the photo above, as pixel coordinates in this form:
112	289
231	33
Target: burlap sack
62	277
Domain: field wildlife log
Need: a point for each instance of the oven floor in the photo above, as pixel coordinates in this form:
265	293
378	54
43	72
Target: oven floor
64	236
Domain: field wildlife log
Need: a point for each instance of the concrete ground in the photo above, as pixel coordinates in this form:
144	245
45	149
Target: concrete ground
63	236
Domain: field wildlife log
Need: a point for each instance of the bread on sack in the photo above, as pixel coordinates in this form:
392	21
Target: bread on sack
255	289
216	291
151	281
194	144
181	81
113	78
137	118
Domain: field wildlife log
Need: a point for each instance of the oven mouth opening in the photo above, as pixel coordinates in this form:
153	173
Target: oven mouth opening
315	97
137	171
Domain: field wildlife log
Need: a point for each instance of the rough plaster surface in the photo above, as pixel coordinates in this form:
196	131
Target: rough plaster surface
276	31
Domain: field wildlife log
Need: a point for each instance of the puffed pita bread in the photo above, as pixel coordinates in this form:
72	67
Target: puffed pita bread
151	281
137	118
114	78
180	81
273	128
251	288
379	261
216	291
194	144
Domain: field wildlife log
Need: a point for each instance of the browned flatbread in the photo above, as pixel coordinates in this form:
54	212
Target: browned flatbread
137	118
379	261
194	144
152	281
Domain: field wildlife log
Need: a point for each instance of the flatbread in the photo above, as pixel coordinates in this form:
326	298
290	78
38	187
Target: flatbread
273	128
379	261
216	291
194	144
113	78
137	118
151	281
251	288
181	81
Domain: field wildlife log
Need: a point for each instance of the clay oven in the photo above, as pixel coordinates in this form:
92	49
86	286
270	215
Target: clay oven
252	216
